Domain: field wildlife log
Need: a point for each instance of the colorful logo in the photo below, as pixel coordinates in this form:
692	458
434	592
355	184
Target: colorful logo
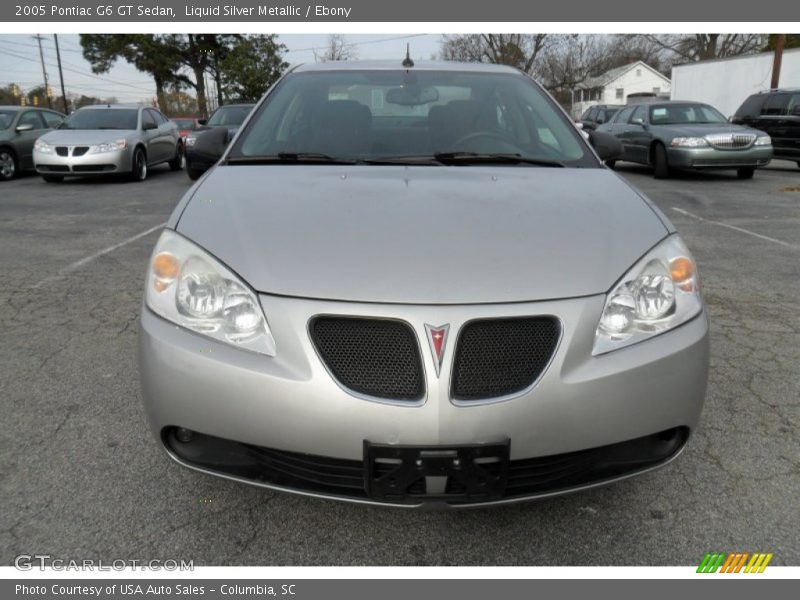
737	562
437	339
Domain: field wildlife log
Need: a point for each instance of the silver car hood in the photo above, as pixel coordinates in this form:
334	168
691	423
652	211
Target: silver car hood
429	235
84	137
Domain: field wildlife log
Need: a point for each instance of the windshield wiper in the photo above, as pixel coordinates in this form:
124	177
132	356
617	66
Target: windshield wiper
455	158
290	157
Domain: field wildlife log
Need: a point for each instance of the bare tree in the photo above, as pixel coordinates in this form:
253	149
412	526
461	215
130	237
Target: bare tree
515	49
337	48
704	46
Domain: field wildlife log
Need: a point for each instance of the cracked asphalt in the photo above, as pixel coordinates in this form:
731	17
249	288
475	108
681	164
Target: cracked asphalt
81	477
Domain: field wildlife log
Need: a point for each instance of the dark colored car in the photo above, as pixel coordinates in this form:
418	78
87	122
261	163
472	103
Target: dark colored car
186	125
20	126
687	135
597	115
776	112
225	121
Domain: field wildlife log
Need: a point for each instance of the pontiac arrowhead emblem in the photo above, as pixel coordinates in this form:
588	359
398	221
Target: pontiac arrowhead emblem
437	340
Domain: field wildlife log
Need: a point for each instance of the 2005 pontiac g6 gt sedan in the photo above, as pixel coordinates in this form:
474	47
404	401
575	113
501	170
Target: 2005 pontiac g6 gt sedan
420	284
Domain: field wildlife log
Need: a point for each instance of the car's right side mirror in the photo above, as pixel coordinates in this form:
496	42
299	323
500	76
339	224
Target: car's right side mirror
607	146
638	121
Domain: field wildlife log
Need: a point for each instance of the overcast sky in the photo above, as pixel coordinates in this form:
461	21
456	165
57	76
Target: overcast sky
20	64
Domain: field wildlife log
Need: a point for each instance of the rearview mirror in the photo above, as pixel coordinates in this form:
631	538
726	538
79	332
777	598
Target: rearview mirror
24	127
607	146
202	121
412	95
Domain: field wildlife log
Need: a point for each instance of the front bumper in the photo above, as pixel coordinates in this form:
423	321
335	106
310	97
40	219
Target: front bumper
120	161
713	158
291	404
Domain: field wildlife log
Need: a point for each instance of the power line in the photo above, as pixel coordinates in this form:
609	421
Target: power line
392	39
79	72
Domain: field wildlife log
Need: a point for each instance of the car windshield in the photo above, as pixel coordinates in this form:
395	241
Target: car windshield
229	115
402	116
685	114
606	114
184	123
6	116
102	118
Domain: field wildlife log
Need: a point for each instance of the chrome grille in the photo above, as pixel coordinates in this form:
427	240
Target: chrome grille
731	141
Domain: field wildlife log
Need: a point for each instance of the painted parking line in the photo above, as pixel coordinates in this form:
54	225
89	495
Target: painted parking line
71	268
735	228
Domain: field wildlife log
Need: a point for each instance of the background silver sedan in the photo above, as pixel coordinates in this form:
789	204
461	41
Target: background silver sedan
410	285
107	139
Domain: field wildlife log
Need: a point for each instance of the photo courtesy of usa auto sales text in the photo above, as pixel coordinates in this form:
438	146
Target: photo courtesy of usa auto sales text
134	589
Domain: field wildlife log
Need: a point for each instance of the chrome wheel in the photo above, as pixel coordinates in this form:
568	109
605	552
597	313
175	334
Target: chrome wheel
139	166
8	165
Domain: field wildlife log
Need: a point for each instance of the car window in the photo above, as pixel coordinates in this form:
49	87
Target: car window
229	115
6	117
684	114
591	114
148	120
101	118
52	119
624	115
794	105
607	114
184	123
751	107
160	118
366	114
776	104
31	117
639	113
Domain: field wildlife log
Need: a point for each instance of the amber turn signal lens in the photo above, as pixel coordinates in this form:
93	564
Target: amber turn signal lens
166	266
681	269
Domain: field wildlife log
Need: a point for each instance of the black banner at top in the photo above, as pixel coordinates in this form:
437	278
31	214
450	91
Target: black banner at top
338	11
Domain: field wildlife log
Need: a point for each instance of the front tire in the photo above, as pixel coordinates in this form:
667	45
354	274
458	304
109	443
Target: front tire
9	166
194	174
176	164
53	178
745	172
660	162
139	167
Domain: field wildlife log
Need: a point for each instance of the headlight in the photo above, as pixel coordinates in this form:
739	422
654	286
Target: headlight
189	287
763	140
659	293
688	142
43	147
190	140
114	146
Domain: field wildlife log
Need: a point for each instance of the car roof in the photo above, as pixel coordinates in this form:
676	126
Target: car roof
109	106
426	65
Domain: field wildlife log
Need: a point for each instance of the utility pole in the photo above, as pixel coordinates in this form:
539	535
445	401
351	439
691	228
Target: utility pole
61	76
780	42
39	39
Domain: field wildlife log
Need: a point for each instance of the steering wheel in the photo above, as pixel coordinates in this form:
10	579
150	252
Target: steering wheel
488	135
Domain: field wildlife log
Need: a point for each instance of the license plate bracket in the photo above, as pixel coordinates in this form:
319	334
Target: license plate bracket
413	474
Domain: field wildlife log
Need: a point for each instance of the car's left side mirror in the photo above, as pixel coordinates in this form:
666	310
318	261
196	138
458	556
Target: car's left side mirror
24	127
607	146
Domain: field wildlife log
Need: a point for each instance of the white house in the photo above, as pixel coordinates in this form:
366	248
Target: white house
614	86
726	82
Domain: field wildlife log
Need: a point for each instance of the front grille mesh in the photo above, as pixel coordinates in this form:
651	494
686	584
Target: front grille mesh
498	357
375	357
731	141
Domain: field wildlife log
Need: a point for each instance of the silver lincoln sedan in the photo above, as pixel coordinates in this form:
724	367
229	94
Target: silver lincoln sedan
419	284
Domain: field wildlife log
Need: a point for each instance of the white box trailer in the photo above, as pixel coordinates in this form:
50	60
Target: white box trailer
725	83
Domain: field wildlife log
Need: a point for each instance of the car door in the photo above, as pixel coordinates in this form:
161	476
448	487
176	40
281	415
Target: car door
621	129
793	128
150	136
166	138
28	128
774	121
638	135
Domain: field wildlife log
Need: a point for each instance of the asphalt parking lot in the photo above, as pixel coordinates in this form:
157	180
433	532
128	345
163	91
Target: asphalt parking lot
81	477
